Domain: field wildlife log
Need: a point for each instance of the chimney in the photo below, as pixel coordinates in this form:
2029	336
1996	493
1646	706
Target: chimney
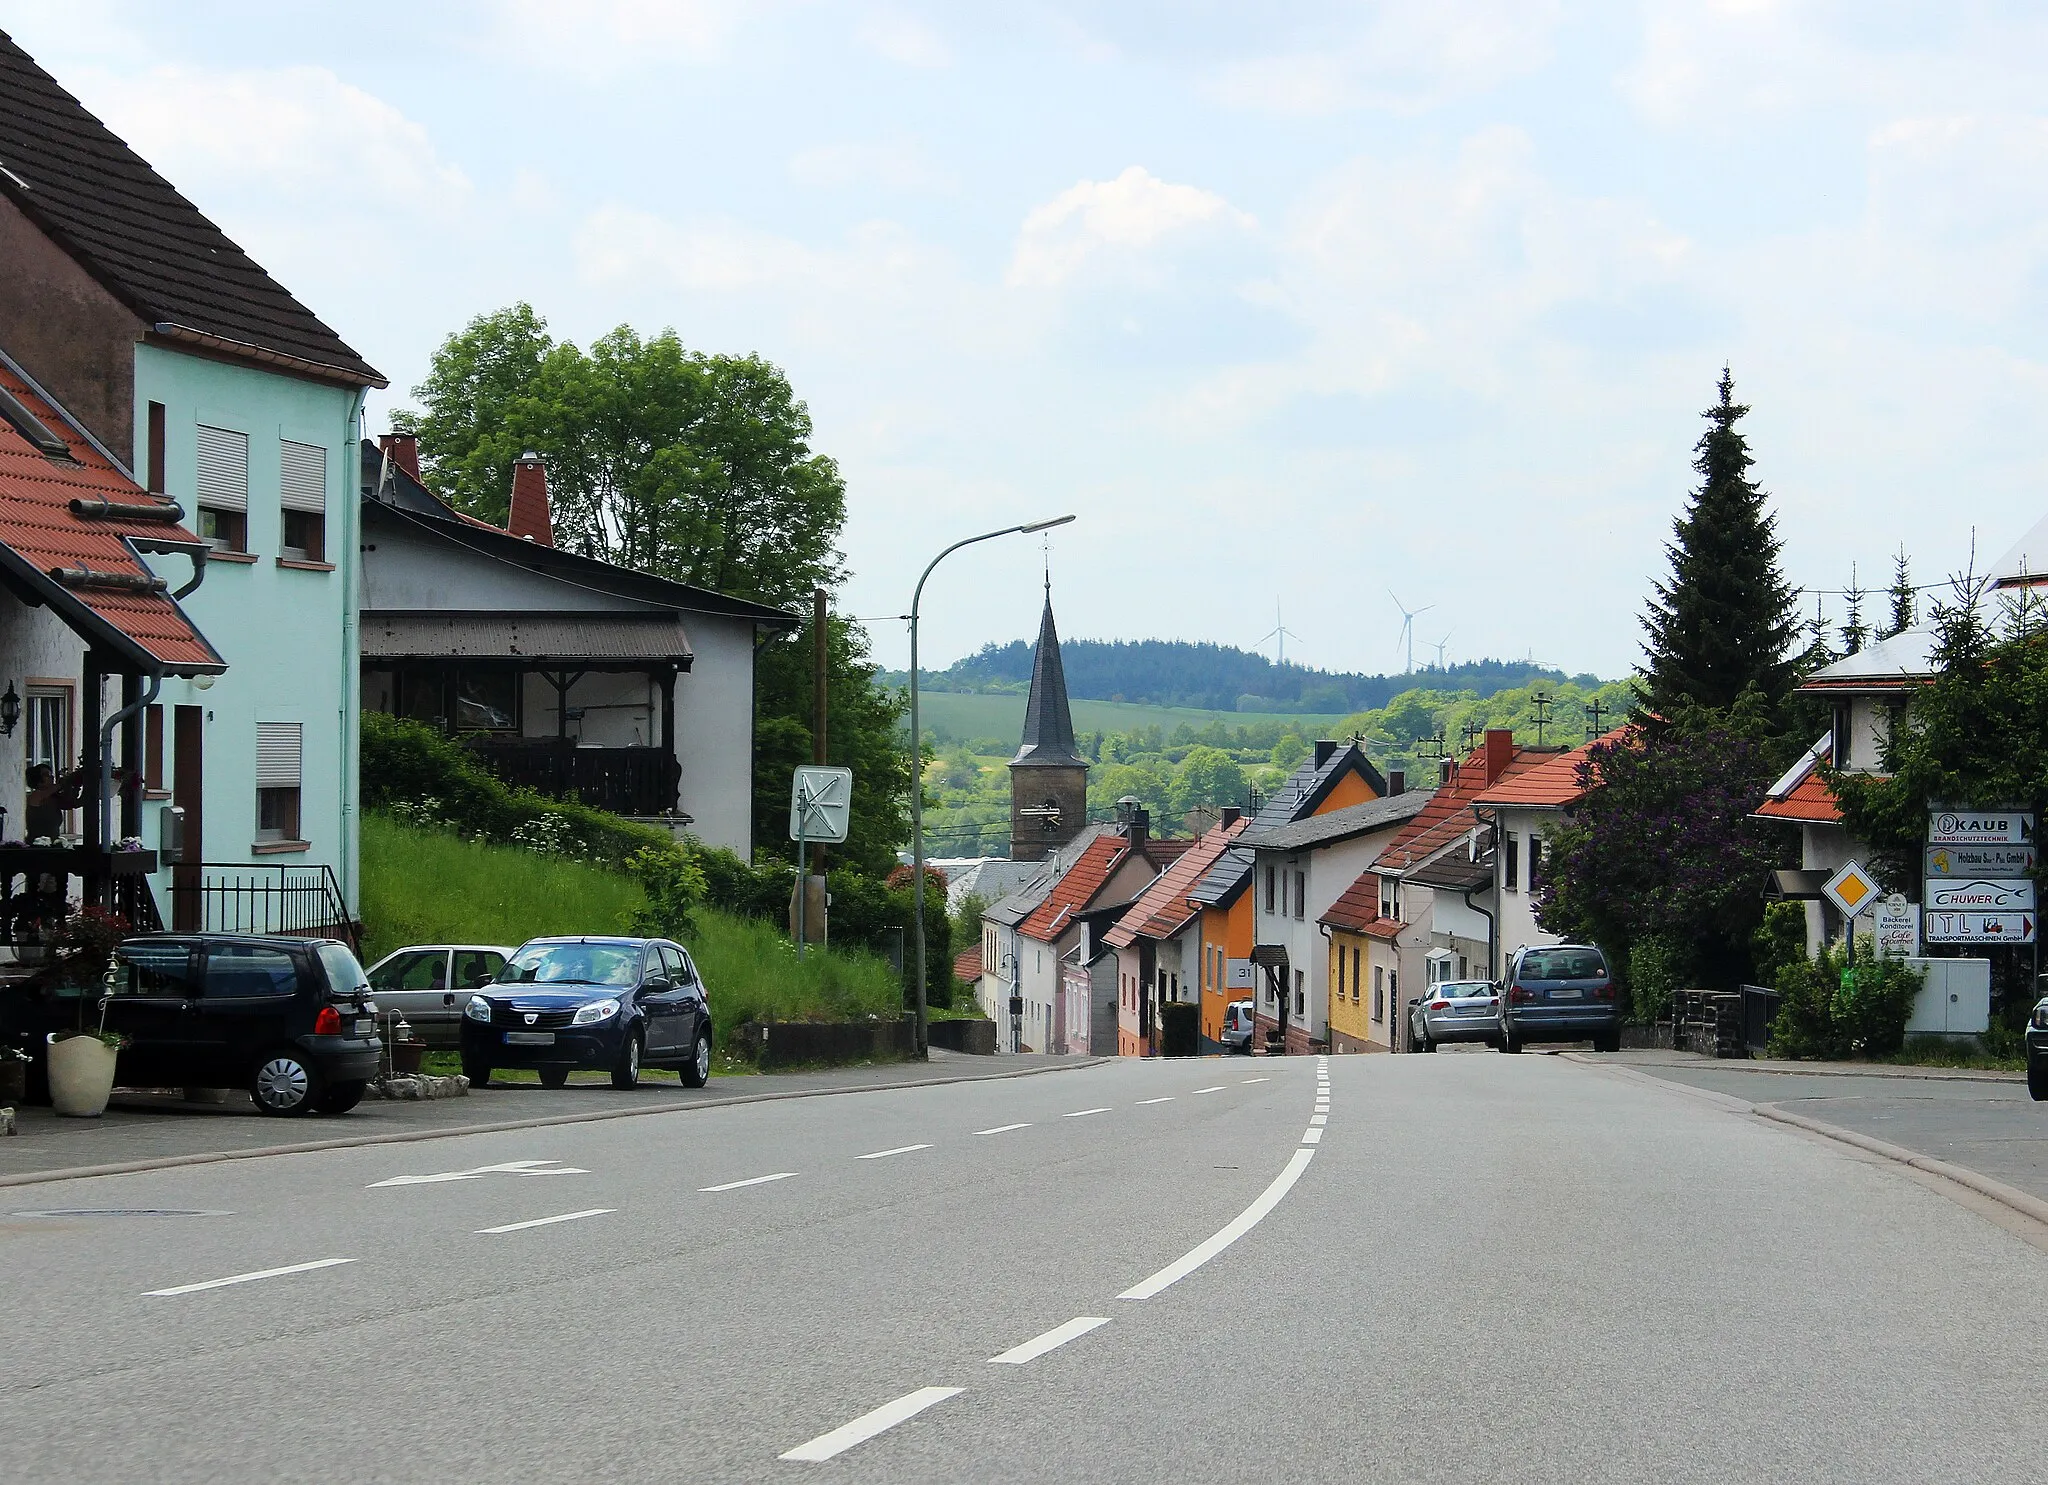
1231	815
403	449
530	516
1445	771
1500	751
1325	751
1397	781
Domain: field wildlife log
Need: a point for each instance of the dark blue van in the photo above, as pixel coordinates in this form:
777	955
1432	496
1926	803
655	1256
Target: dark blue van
1559	993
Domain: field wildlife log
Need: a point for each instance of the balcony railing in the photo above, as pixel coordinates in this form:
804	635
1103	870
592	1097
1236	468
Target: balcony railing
625	781
238	897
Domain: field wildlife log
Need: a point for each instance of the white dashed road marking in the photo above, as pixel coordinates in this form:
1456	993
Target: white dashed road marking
545	1221
1143	1101
1311	1136
1052	1340
249	1278
1084	1113
865	1427
1258	1080
1002	1129
781	1175
1217	1089
885	1154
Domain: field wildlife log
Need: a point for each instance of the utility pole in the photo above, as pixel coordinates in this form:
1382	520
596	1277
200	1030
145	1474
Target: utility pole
1541	701
820	716
1596	714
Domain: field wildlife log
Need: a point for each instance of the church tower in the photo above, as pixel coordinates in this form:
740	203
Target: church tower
1048	777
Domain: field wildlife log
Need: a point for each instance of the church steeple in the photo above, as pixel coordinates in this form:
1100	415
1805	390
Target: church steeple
1048	777
1048	722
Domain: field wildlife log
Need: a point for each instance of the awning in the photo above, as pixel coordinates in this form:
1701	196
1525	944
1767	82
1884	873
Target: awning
1795	886
586	641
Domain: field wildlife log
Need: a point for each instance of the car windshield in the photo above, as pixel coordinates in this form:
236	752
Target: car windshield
1464	989
1563	964
573	964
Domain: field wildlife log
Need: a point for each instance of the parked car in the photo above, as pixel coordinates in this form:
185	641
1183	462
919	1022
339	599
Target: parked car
1559	993
1455	1011
1237	1027
290	1019
428	984
2037	1051
563	1004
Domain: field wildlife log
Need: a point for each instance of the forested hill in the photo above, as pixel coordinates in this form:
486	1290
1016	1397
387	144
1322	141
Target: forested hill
1164	672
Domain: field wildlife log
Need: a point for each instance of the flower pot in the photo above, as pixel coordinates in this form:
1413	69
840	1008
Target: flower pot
407	1057
81	1076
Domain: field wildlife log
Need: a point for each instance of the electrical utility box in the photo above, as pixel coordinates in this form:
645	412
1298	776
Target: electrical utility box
1954	1001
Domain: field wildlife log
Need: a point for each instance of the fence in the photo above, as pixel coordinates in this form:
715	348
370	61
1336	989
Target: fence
237	897
625	781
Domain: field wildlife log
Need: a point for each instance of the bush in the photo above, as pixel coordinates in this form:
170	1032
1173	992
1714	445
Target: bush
734	886
1656	969
1836	1007
674	884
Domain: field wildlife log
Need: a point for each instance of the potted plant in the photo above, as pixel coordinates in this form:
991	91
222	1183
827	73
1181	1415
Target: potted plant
82	1061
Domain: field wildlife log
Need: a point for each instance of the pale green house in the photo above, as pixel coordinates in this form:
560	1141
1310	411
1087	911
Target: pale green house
184	357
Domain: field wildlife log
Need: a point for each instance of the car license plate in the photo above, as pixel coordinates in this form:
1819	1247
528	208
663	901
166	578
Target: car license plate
1567	994
366	1026
529	1038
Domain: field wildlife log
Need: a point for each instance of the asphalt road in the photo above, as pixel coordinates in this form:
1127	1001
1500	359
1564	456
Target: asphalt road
1480	1268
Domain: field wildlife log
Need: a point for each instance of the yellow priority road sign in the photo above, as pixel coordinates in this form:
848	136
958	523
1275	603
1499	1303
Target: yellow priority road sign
1852	889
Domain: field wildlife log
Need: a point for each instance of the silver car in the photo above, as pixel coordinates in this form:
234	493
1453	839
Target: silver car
428	984
1237	1027
1455	1011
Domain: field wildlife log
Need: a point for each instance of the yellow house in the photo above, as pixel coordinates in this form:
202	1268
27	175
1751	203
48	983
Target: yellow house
1364	970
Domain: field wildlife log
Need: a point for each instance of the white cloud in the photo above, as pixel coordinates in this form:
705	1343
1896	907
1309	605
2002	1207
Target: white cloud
601	38
1124	216
905	39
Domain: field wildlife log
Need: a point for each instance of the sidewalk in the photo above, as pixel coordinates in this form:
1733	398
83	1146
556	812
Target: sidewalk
144	1131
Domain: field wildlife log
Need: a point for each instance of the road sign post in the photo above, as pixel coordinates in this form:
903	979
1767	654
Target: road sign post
820	807
1852	890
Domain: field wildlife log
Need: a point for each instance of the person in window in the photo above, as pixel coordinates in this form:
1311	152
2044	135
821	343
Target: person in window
49	796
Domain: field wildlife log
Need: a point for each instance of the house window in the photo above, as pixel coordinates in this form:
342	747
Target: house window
153	750
48	713
1301	894
1511	861
224	488
154	471
1390	897
1354	977
1379	992
1535	858
280	749
1838	741
1270	874
487	701
302	492
1301	992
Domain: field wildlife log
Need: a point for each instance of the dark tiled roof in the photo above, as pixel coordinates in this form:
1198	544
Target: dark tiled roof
1308	786
1162	909
147	245
1048	723
41	535
1352	820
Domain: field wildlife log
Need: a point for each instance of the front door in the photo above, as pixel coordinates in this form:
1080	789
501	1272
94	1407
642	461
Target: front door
188	787
658	1002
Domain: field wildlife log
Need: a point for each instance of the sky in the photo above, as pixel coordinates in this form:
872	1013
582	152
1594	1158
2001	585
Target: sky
1296	307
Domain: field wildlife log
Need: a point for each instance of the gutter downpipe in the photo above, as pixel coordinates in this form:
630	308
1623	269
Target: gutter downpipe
107	730
1492	822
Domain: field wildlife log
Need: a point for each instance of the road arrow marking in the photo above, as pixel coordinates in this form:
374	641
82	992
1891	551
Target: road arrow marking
505	1168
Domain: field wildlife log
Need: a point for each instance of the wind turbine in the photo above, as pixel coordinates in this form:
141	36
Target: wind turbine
1439	647
1407	637
1281	633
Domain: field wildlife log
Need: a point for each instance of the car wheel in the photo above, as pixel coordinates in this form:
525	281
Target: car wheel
697	1071
1607	1041
1509	1042
2037	1079
342	1096
1422	1043
627	1073
554	1077
478	1073
285	1084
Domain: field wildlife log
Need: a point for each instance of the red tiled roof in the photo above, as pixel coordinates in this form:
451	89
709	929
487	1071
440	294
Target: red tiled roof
1076	889
1809	799
1448	815
1162	909
38	526
1359	905
1554	782
967	964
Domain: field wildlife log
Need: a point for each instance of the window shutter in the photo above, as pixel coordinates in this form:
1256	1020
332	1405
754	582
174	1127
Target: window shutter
223	468
302	477
278	749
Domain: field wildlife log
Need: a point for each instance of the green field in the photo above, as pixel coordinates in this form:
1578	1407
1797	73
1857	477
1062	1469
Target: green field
954	716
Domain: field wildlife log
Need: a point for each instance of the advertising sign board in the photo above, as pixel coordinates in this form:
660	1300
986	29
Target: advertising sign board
1980	828
1975	894
1980	928
1996	862
1897	930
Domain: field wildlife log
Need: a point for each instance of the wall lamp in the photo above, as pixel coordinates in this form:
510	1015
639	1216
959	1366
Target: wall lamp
10	711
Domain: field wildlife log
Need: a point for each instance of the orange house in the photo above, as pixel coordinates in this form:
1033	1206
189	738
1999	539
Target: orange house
1335	776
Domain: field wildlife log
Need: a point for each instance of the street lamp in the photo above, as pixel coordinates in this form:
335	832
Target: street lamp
917	767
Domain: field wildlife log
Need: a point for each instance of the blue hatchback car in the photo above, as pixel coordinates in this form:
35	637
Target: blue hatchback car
1559	993
613	1004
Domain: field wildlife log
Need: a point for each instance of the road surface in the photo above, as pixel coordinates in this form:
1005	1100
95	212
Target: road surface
1468	1268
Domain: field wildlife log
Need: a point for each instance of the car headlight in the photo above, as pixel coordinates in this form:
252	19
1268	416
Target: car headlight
596	1011
478	1009
2041	1015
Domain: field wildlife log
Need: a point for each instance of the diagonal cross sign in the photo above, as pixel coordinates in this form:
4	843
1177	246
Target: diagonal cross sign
508	1168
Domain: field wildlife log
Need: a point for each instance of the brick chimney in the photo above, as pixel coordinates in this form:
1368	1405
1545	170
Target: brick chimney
530	517
402	449
1231	815
1397	781
1500	751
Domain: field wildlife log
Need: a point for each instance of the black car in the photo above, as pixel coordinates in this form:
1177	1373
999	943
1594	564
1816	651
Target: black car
2037	1051
616	1004
290	1019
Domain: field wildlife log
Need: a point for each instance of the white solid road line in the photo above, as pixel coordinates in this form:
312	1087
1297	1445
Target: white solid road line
1143	1101
865	1427
1084	1113
1241	1224
1002	1129
781	1175
1311	1136
545	1221
885	1154
1052	1340
261	1273
1218	1088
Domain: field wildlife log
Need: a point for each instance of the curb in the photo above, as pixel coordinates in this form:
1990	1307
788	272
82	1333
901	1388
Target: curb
1817	1069
417	1136
2006	1196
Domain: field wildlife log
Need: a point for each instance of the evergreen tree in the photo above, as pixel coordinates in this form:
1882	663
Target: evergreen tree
1904	605
1723	624
1854	631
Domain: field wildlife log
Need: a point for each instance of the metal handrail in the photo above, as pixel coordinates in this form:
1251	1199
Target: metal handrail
249	902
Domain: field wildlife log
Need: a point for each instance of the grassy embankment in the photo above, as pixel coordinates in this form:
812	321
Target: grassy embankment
428	886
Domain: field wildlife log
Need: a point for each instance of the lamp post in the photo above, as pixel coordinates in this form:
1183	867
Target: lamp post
917	767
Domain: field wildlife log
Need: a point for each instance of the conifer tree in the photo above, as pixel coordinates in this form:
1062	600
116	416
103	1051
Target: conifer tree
1723	624
1855	633
1902	595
